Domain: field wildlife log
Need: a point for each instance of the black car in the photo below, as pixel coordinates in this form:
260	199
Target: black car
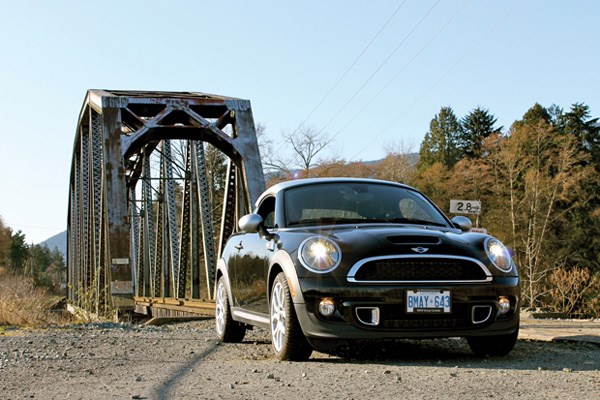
331	260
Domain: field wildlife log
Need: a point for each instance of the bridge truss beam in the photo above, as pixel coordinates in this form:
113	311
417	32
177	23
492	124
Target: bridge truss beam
153	175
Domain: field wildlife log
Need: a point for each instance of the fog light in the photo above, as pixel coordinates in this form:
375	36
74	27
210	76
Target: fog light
327	307
503	305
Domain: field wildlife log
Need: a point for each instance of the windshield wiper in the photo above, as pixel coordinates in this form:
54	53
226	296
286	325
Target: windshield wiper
341	221
314	221
328	221
414	221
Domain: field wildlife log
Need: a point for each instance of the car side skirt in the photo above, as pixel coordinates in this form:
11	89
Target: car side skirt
250	318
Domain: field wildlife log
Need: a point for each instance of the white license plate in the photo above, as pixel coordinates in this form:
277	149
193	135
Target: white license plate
428	301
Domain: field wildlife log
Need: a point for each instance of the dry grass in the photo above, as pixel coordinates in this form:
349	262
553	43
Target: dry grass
23	304
575	292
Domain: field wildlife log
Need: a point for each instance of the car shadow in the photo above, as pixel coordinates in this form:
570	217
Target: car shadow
451	352
527	355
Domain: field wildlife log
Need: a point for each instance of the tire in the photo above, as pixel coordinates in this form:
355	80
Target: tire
498	345
289	343
228	330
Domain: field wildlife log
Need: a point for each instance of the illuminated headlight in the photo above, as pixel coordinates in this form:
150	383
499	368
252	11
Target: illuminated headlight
498	254
319	254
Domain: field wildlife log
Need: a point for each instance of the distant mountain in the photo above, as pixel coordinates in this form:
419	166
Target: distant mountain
58	241
413	158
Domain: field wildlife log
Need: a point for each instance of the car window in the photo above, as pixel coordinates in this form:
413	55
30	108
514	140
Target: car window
358	202
267	211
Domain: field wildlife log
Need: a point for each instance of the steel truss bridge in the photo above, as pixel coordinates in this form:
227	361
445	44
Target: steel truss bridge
158	181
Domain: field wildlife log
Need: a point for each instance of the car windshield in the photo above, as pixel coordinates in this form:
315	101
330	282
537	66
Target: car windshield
358	202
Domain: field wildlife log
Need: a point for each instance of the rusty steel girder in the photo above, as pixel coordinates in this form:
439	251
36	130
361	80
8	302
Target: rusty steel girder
158	181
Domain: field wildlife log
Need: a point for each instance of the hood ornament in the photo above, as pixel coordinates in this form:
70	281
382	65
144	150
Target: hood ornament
420	250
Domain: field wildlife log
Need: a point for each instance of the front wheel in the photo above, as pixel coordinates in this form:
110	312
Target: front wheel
497	345
228	330
287	338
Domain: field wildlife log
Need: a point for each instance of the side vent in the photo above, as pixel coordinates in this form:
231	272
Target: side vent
414	239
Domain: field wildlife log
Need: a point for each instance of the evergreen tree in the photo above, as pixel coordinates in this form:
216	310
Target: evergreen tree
583	221
556	115
476	126
578	122
19	252
441	143
5	244
40	258
534	116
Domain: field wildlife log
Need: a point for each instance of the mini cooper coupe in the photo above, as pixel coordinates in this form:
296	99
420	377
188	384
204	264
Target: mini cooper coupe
341	260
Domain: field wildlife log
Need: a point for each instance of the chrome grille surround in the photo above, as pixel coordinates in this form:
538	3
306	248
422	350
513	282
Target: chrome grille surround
351	277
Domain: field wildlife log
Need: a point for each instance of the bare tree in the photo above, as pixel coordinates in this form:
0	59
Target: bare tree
335	167
306	143
272	160
397	165
540	170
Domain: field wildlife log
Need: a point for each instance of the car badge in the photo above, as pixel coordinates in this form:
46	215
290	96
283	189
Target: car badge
420	250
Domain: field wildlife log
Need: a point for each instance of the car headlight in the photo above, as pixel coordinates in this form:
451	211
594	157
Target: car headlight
319	254
498	254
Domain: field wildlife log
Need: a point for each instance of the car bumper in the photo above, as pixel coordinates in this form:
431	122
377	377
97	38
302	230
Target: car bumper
380	312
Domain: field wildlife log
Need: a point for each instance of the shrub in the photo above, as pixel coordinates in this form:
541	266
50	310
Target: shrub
23	304
575	292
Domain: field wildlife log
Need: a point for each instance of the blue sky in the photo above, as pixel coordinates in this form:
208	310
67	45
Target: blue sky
284	56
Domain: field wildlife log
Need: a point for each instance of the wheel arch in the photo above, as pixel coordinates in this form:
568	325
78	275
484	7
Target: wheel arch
282	262
222	272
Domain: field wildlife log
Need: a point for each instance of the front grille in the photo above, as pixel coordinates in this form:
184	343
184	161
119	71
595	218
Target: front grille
419	269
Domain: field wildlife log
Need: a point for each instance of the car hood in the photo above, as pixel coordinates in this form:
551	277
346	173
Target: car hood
372	240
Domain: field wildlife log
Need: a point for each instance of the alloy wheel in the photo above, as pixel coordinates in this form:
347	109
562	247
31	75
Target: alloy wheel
278	316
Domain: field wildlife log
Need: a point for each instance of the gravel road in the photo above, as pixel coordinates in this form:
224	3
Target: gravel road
184	361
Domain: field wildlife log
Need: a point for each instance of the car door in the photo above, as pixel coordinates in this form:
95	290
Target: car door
254	253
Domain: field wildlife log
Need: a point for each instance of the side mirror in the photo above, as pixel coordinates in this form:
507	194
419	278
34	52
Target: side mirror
250	223
253	223
463	223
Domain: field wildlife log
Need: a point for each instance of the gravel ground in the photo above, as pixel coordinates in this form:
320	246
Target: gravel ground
184	361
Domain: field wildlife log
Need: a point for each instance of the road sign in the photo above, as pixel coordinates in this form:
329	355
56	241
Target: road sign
465	206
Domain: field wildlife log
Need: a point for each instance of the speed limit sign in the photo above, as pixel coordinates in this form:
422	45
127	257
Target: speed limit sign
465	206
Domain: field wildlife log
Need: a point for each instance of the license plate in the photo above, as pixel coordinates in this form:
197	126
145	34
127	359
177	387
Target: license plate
428	301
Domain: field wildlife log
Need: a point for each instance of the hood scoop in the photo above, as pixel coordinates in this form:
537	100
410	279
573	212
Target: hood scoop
414	239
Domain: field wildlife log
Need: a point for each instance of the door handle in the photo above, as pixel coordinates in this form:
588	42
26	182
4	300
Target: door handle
270	245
